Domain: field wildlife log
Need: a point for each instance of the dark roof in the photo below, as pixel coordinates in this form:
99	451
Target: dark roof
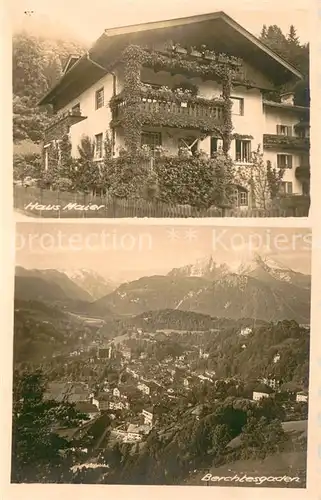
263	388
86	407
219	32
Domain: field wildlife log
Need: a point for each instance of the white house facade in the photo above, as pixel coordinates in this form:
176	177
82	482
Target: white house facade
81	99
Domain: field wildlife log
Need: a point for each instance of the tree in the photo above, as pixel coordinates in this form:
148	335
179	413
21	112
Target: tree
274	179
292	37
290	48
260	179
27	165
28	67
28	121
260	437
38	453
87	176
263	32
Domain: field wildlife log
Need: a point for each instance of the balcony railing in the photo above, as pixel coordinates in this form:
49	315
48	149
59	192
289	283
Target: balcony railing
285	142
72	116
202	114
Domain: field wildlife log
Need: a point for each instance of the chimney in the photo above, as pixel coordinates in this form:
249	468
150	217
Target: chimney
287	98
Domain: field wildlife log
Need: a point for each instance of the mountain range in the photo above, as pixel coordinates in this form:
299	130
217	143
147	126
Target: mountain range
260	288
60	285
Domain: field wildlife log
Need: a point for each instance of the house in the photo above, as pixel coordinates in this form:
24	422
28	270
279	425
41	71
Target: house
245	331
116	392
127	437
203	355
90	97
144	388
302	397
104	353
185	382
118	405
103	401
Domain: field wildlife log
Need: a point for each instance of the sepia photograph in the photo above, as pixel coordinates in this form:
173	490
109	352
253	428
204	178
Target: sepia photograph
143	111
161	355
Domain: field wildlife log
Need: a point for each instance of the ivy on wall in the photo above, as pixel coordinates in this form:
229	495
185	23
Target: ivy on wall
219	67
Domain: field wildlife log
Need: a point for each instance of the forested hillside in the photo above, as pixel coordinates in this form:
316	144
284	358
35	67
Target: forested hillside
37	65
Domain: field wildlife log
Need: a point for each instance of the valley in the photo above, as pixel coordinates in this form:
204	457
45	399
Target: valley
171	365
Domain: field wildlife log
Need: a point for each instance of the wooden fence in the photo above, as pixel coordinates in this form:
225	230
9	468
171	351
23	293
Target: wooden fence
38	202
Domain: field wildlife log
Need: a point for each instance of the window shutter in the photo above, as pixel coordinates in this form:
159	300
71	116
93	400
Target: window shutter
213	145
290	161
238	150
290	131
290	188
278	129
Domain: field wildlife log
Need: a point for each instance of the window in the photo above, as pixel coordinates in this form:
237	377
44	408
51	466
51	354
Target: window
151	139
98	146
305	188
286	188
240	197
75	110
284	161
284	130
190	142
242	151
99	98
243	198
214	145
237	106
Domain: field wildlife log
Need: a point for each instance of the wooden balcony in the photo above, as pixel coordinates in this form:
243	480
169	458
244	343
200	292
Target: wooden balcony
285	142
204	115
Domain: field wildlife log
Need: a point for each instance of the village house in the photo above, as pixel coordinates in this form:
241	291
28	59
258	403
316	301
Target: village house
148	416
116	392
90	98
103	401
104	353
261	391
118	405
302	397
143	388
127	437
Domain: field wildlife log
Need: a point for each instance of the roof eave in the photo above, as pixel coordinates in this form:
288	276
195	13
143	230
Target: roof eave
110	33
199	18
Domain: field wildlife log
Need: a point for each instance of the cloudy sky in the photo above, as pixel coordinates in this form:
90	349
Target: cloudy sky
87	20
128	252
